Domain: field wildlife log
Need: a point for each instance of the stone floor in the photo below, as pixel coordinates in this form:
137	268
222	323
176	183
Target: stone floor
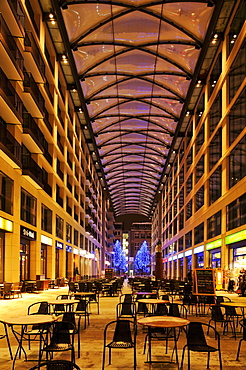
92	340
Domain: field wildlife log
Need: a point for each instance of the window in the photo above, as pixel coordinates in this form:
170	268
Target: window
237	117
181	177
237	24
236	213
76	237
237	72
215	149
181	220
181	244
199	198
189	209
216	72
189	159
215	112
200	109
46	222
189	134
28	207
188	240
59	199
59	227
199	233
200	168
181	198
215	185
68	233
200	139
136	235
214	225
189	186
6	193
237	162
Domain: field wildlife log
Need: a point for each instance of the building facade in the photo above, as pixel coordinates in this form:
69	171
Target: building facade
53	206
200	217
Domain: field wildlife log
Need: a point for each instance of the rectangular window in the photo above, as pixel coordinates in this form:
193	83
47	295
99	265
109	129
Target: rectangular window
189	209
199	233
189	159
199	198
181	244
6	193
200	139
181	220
68	233
76	237
181	198
189	185
237	71
28	208
214	225
237	117
215	149
46	221
59	227
215	113
181	177
237	162
215	185
236	213
188	240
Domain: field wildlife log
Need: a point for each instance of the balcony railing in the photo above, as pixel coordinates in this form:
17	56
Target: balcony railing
30	126
32	87
32	47
8	141
32	169
11	96
17	10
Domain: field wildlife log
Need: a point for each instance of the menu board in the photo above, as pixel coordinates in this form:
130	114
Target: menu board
204	282
109	273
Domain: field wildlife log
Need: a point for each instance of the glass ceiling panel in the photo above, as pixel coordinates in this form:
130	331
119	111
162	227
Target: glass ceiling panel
135	60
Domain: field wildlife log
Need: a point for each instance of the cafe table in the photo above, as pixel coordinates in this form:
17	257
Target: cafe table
23	321
163	322
241	305
68	303
153	302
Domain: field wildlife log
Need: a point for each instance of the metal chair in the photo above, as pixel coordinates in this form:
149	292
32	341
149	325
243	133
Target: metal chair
37	332
70	317
5	335
82	311
196	342
57	365
243	324
59	308
219	317
126	310
124	337
61	340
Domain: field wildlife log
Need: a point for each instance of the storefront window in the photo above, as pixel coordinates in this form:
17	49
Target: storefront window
28	207
214	225
24	259
43	260
6	193
215	259
215	185
237	162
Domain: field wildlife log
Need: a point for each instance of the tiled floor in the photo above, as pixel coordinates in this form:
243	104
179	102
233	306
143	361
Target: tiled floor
92	340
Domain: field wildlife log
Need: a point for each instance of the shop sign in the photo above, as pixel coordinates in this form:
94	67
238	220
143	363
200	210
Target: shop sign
214	244
6	225
240	251
75	251
237	237
180	255
188	253
69	248
46	240
199	249
83	252
28	233
59	245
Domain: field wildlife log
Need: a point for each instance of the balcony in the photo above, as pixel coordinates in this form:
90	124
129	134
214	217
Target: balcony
14	16
11	105
32	171
33	99
11	59
9	147
33	58
33	137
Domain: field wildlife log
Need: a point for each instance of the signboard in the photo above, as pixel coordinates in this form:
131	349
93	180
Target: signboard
59	245
109	273
204	281
28	233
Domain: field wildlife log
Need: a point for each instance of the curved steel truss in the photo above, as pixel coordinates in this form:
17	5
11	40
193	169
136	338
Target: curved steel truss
135	60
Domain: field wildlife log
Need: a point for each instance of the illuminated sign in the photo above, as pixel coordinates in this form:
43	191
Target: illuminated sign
241	235
199	249
69	248
28	233
59	245
46	240
214	244
188	253
6	225
75	251
180	255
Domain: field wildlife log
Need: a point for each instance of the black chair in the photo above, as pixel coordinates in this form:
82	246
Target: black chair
82	286
37	332
57	365
231	313
126	298
94	299
177	310
61	340
59	308
124	337
196	342
219	317
71	287
70	317
38	308
190	300
243	324
82	311
5	335
126	310
220	299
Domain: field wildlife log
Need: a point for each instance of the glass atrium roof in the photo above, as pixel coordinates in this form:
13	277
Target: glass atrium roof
135	61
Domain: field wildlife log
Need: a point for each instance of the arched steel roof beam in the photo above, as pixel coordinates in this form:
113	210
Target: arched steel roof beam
131	144
116	168
127	174
114	161
123	133
101	97
134	181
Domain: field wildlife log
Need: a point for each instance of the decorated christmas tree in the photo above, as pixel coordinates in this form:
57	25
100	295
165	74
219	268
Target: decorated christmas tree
142	259
119	258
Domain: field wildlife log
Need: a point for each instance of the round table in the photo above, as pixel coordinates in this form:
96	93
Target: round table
66	302
23	321
153	302
163	322
241	305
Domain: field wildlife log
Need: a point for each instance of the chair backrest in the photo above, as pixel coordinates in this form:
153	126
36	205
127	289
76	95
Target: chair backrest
125	309
57	365
126	298
82	305
63	296
69	317
122	331
177	310
7	287
230	311
217	313
40	308
243	324
62	331
195	334
82	286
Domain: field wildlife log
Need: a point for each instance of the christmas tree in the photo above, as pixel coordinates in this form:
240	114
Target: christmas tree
142	259
119	258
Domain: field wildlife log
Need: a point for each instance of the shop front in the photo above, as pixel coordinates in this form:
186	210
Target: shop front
180	266
199	257
59	249
45	257
6	226
27	237
237	246
214	253
69	261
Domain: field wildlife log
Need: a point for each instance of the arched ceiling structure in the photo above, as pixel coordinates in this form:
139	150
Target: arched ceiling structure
136	62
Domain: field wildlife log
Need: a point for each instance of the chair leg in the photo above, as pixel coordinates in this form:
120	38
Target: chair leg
208	360
109	356
103	360
182	360
220	360
238	350
188	359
